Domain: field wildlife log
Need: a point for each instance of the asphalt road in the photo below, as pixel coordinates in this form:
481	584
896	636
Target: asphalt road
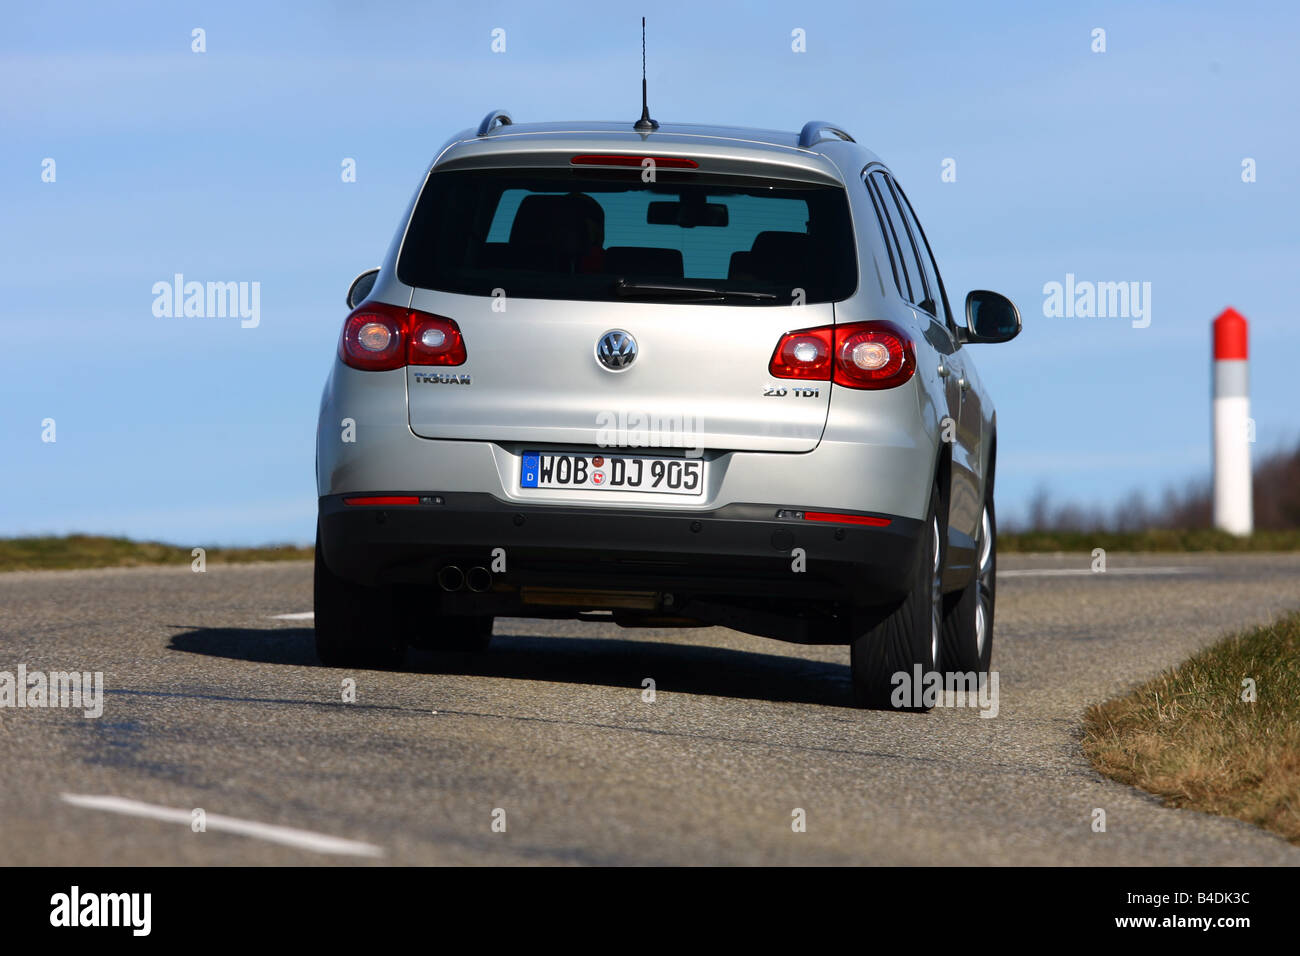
212	701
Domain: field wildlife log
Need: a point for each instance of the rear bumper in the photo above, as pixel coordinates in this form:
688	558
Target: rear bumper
736	554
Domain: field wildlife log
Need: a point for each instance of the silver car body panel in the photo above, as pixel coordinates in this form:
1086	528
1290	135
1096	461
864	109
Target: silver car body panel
535	380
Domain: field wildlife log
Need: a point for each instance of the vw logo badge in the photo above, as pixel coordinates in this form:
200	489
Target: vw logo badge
616	350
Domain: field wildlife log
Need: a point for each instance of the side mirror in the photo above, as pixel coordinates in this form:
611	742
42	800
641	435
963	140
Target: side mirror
361	286
990	318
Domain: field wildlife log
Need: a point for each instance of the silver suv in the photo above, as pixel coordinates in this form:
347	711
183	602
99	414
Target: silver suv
663	376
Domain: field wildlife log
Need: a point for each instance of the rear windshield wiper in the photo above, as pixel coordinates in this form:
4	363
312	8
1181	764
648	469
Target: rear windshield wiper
666	289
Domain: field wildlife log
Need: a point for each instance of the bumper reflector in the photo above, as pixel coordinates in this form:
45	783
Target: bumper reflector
383	500
837	518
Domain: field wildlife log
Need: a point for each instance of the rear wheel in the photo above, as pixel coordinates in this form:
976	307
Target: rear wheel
354	624
968	618
907	637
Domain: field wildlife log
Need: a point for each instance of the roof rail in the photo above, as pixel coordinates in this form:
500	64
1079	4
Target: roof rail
812	133
493	120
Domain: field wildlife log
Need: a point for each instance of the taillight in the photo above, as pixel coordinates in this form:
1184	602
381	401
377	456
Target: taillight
435	341
373	338
379	337
870	355
806	354
873	355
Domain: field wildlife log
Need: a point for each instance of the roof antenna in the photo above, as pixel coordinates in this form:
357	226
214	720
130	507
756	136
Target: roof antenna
645	123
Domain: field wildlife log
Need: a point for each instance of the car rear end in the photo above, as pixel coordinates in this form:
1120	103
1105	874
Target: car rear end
647	378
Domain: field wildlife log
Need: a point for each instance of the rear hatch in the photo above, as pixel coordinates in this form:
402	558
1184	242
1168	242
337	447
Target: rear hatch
599	308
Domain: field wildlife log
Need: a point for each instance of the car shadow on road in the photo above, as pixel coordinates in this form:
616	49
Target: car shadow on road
675	668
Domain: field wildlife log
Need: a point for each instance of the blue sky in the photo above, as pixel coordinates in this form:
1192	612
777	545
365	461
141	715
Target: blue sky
1118	166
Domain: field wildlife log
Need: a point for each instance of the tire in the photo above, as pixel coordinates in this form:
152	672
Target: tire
909	635
968	615
354	624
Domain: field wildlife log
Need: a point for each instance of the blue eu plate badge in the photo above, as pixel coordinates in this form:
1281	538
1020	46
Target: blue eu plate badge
528	474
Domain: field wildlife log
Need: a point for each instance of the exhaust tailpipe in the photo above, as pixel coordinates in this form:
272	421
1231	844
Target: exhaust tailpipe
478	580
451	578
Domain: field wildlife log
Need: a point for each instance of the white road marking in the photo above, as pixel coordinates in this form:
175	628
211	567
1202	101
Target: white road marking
1062	572
295	616
289	836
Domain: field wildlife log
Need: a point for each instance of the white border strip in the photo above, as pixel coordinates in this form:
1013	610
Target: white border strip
288	836
1063	572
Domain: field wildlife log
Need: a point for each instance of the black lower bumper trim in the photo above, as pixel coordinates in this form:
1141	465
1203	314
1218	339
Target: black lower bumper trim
740	551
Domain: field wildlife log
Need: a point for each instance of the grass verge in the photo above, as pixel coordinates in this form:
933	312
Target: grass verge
94	551
1156	539
1188	736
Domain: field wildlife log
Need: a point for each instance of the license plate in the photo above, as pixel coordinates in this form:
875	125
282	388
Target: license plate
666	476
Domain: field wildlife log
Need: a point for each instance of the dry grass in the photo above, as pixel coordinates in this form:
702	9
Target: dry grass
1187	735
1152	540
94	551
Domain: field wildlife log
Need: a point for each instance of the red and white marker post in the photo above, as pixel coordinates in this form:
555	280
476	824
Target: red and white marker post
1233	511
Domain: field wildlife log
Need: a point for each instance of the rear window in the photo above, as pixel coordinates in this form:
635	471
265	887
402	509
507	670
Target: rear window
605	235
